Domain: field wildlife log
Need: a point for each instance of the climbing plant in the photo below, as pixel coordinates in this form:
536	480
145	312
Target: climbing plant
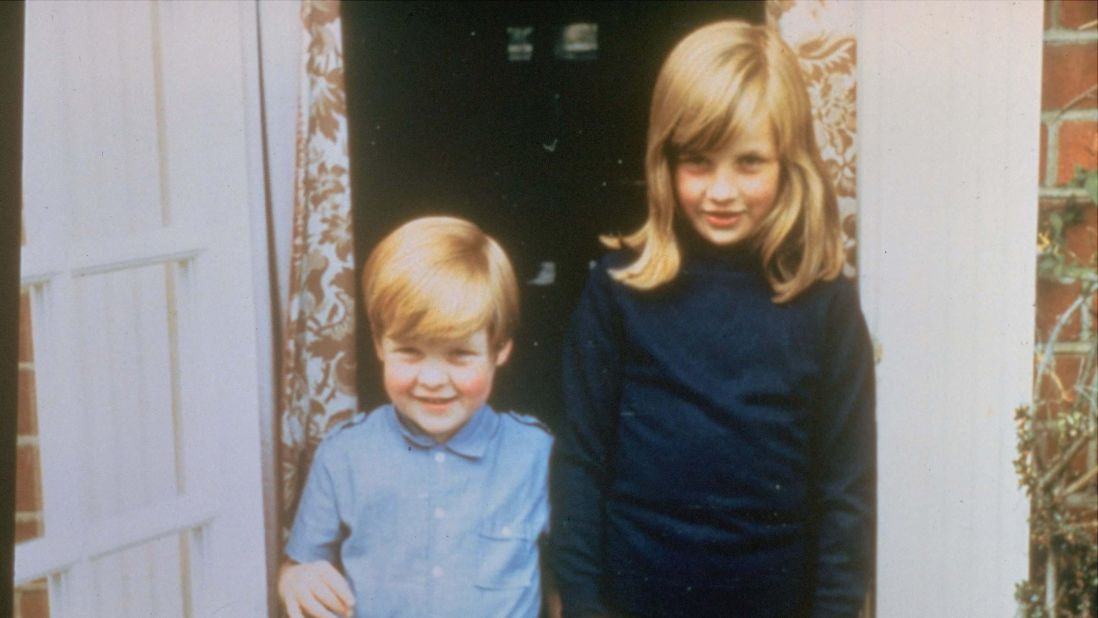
1056	431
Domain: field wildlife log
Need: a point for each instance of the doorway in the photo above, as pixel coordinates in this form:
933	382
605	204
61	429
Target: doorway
526	118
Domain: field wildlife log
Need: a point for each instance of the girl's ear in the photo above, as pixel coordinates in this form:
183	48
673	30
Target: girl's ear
504	353
378	350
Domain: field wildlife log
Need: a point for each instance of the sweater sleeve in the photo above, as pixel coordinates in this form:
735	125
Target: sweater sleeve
583	447
845	441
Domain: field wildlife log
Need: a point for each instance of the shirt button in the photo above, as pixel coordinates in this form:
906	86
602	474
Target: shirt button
436	572
505	531
440	457
440	513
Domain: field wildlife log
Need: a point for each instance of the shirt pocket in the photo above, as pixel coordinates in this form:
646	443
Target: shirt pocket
508	555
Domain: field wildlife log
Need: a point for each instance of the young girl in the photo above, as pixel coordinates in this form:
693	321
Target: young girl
717	452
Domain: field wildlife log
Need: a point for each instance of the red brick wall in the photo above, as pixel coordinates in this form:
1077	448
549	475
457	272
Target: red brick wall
30	600
1069	96
1069	138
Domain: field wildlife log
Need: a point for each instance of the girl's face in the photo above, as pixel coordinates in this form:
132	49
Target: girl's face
725	193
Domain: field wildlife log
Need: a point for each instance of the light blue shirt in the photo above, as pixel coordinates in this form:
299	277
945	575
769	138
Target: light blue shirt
426	529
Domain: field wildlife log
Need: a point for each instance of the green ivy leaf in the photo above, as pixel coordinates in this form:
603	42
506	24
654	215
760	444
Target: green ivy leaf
1090	185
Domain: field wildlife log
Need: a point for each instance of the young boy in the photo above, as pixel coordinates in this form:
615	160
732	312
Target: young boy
431	505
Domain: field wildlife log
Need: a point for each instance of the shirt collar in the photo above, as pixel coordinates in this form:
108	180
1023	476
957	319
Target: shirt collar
470	441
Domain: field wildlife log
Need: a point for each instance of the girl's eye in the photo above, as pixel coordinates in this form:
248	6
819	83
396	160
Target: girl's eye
750	161
693	163
693	159
408	353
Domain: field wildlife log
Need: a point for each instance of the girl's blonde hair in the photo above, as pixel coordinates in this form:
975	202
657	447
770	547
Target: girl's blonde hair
715	80
440	279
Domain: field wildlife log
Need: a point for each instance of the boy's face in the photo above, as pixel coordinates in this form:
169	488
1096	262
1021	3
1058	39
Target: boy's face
439	386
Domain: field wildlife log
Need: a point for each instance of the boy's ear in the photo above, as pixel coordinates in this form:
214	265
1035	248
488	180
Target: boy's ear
504	353
377	350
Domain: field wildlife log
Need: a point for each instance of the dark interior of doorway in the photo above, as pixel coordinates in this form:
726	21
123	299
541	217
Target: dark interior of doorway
543	153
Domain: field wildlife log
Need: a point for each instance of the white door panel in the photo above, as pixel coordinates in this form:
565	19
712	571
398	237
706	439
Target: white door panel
139	175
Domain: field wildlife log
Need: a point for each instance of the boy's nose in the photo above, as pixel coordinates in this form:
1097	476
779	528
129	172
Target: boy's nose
431	375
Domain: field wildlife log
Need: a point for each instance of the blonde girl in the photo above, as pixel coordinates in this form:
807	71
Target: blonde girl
717	452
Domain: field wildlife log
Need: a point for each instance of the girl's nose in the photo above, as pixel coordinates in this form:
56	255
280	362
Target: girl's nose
723	186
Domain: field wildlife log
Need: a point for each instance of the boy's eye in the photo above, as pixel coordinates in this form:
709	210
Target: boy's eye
408	352
462	355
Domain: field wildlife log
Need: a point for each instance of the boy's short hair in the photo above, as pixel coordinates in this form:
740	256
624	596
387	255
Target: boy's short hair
440	278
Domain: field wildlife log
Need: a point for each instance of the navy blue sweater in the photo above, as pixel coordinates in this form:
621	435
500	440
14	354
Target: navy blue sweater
717	452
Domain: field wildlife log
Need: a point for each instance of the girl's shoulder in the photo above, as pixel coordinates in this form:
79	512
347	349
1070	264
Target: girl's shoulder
841	289
837	307
600	271
614	259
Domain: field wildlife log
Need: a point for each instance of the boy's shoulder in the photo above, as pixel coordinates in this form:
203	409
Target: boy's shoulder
359	426
528	420
528	428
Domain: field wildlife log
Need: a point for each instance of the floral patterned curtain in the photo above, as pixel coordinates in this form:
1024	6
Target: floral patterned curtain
318	373
821	32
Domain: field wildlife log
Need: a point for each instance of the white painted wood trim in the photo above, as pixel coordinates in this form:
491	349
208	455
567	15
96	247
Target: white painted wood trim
948	121
54	553
266	281
227	336
40	262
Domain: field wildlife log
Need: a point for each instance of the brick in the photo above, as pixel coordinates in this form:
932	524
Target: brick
27	417
1080	463
1078	146
26	344
1047	446
1048	13
1082	238
28	491
1044	154
26	530
1070	69
1053	299
1075	13
1066	369
34	603
1045	204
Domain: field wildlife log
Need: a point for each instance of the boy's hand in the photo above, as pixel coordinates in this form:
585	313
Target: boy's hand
315	588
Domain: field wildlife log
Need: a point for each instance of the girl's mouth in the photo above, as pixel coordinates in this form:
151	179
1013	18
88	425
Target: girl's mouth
722	219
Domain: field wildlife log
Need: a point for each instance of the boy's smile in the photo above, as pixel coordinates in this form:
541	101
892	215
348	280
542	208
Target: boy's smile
439	386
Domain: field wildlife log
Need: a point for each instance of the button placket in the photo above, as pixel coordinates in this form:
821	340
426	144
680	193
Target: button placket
437	515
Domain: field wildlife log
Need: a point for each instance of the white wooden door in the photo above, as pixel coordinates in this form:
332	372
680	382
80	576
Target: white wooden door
948	121
140	136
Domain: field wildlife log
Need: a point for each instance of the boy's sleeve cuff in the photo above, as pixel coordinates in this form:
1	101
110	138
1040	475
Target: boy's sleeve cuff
301	554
